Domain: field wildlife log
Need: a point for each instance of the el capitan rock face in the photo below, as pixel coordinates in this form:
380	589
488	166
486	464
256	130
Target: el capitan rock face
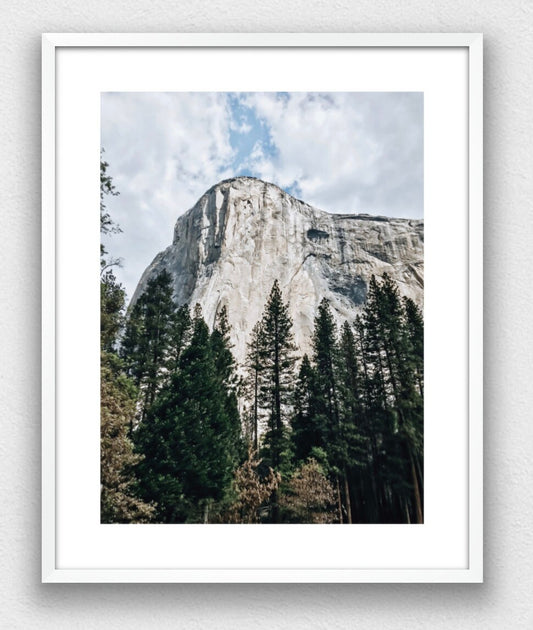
245	233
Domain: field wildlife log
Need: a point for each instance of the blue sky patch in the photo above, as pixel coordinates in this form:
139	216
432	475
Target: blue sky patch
247	130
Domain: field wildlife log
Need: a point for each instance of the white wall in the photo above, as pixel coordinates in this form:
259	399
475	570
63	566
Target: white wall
504	600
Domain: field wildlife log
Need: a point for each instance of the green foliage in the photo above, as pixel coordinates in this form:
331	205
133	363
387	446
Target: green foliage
107	225
414	329
325	394
250	387
268	387
227	383
359	408
276	355
112	300
146	346
180	334
308	430
391	339
190	437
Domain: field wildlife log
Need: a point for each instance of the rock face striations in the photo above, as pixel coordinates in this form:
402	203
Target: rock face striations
245	233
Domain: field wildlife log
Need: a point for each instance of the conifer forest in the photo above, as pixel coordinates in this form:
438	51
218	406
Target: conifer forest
189	436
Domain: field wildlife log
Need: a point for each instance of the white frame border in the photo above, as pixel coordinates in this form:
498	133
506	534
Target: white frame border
474	43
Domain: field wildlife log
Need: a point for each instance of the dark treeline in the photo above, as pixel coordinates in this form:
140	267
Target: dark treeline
187	436
353	408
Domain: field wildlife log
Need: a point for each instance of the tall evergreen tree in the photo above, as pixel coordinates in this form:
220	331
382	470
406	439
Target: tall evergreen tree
308	432
327	405
146	345
396	408
373	486
272	365
412	395
325	354
353	441
179	336
227	383
221	346
414	325
189	437
277	358
251	386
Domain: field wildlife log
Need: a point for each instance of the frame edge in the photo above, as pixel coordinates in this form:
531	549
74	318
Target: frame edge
474	42
48	497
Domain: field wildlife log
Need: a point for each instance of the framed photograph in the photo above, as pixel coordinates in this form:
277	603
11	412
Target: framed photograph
262	308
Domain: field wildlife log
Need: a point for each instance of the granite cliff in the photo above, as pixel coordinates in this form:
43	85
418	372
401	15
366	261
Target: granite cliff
244	233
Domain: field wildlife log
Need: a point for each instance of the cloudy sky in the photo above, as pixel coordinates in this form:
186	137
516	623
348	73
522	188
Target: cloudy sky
341	152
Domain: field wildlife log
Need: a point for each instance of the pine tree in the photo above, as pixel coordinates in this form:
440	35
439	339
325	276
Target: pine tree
325	353
190	436
413	397
353	441
251	386
308	432
273	367
221	346
146	345
394	405
414	325
277	359
227	383
350	377
326	402
179	336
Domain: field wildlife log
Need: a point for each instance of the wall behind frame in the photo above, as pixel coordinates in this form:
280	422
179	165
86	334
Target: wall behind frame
504	599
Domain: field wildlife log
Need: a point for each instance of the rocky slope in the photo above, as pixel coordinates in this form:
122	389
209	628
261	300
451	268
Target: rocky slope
244	233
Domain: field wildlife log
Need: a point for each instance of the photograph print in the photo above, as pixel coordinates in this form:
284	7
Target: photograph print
262	289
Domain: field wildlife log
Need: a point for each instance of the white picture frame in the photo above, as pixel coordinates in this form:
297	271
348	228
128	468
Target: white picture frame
75	546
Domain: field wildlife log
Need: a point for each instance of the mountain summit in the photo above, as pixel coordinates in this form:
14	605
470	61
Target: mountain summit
244	233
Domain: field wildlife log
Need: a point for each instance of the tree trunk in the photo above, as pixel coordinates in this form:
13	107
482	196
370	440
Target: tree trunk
275	507
277	402
256	411
418	502
348	502
339	501
408	521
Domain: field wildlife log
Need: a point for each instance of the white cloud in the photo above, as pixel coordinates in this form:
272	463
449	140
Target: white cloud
164	151
353	152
